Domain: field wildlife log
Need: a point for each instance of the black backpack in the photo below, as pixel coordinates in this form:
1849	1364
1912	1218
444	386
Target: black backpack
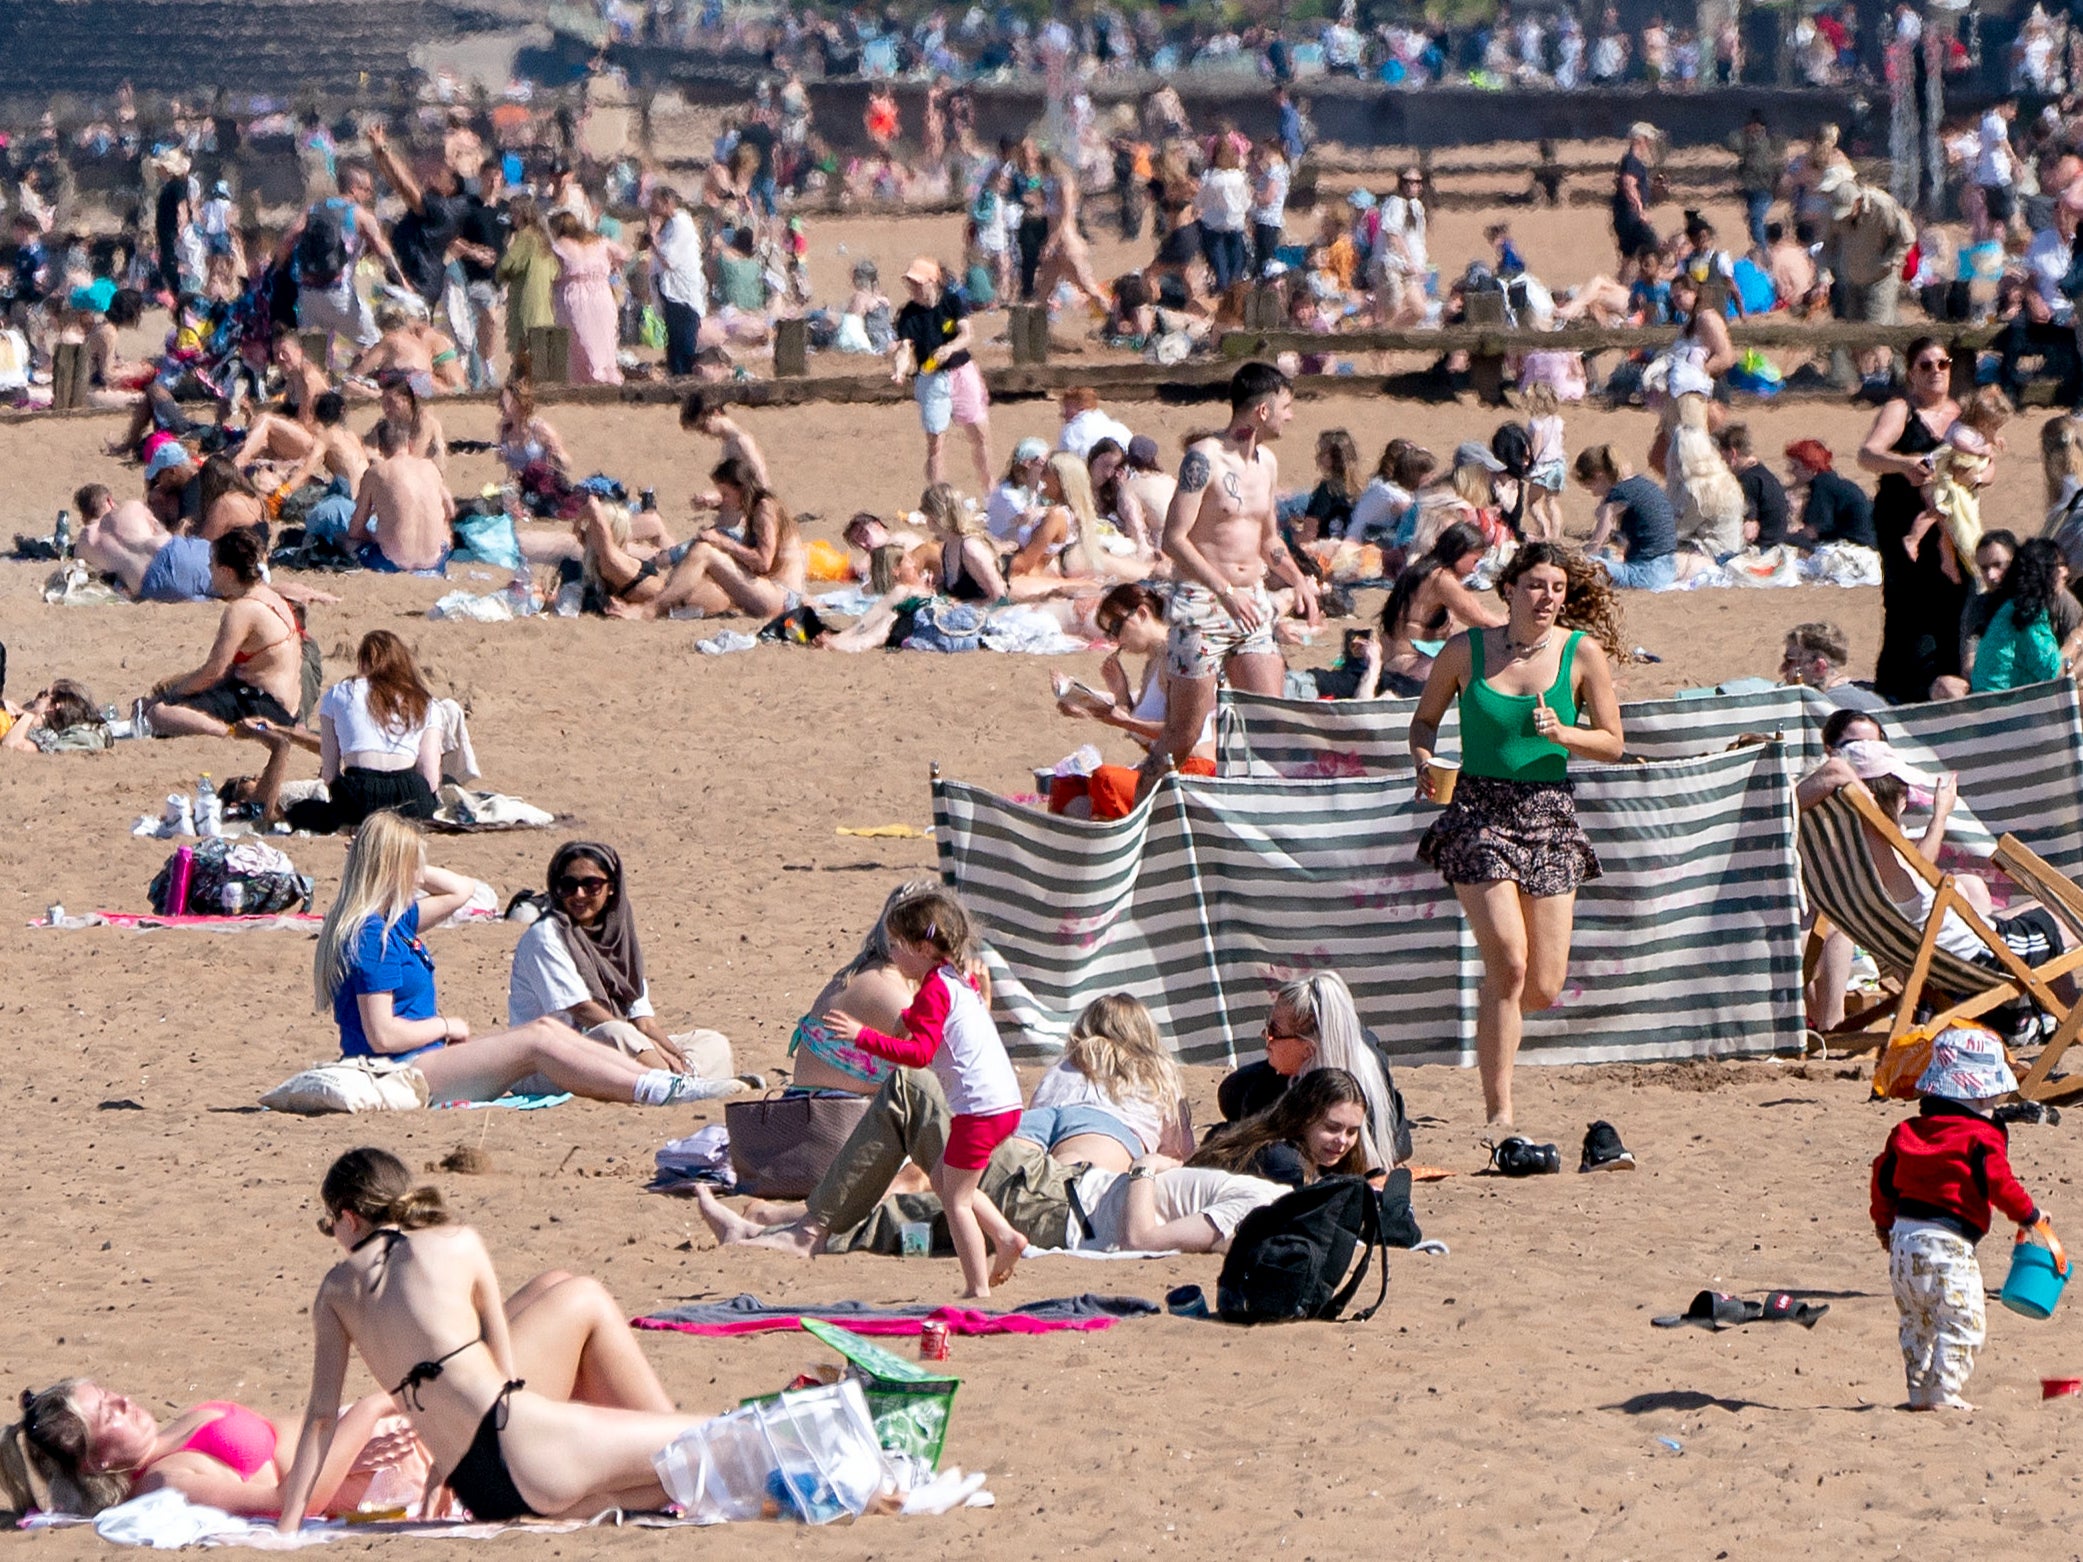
322	248
1288	1260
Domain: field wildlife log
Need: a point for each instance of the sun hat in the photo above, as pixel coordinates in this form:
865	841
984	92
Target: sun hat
166	458
1871	758
1470	453
1841	185
1967	1064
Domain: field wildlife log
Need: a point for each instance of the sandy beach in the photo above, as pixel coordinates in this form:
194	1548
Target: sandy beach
1511	1395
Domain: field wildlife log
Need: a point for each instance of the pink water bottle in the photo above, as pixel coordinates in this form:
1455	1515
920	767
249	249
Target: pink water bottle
177	882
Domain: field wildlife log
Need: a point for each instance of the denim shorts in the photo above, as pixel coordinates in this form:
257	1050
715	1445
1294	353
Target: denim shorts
1049	1126
1649	575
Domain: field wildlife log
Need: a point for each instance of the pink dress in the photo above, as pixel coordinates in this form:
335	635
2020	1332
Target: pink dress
585	303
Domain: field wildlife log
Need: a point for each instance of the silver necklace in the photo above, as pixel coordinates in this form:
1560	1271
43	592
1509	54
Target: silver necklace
1521	652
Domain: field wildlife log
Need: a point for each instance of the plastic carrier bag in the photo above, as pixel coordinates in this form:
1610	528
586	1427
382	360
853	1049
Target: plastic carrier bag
807	1453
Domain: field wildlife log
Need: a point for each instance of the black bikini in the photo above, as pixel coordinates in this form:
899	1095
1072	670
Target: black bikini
480	1479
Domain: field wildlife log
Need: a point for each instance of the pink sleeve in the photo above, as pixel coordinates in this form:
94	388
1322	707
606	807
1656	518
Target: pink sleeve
925	1024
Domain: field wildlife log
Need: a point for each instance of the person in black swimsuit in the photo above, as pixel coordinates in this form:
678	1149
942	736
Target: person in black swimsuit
968	569
1920	607
410	1280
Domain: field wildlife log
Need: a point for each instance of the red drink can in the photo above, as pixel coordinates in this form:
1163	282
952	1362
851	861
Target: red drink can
933	1341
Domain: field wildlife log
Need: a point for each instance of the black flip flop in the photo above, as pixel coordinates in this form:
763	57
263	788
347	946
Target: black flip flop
1785	1307
1714	1310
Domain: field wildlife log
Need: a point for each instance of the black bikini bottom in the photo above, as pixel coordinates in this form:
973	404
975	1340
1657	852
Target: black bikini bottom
480	1480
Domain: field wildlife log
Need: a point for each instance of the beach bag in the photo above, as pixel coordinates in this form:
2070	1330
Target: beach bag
810	1452
781	1145
350	1085
268	881
908	1403
486	536
1288	1259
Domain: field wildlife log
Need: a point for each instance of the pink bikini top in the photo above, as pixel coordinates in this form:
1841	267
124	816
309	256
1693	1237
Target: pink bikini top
239	1439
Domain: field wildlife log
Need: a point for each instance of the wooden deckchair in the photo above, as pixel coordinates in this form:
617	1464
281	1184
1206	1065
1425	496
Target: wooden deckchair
1844	885
2061	895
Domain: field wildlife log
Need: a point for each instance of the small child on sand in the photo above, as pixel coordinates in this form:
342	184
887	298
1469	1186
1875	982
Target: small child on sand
1961	465
1932	1190
1547	460
948	1029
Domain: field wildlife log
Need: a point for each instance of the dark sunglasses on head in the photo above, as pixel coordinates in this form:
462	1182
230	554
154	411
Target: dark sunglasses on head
568	885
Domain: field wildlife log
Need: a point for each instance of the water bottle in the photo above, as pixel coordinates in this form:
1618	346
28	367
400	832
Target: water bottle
209	811
520	597
61	534
177	881
234	896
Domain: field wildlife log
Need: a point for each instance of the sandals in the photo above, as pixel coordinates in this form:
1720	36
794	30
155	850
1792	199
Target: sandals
1716	1310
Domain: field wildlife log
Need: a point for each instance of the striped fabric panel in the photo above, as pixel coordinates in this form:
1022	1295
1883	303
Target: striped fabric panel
2019	753
1217	890
1837	868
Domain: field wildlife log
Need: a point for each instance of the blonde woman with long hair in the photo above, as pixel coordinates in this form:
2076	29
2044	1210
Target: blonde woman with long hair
1115	1095
1313	1024
968	563
375	974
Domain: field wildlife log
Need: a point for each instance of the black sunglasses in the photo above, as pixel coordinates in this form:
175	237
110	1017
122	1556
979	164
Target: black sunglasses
569	885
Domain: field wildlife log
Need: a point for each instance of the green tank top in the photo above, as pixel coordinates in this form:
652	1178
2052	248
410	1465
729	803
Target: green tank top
1497	736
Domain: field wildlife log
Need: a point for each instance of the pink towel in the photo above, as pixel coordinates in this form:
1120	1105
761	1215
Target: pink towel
959	1320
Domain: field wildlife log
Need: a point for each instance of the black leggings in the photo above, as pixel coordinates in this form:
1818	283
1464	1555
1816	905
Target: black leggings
1034	233
358	793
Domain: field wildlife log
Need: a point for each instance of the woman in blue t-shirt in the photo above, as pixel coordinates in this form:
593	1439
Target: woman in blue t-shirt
376	974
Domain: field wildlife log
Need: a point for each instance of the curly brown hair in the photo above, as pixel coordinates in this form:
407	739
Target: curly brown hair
1590	604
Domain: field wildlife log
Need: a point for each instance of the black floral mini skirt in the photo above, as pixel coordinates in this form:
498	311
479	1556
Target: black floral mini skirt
1522	831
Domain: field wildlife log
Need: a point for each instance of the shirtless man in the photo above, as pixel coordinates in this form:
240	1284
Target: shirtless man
1222	537
414	349
404	513
151	564
1149	491
339	455
287	434
701	414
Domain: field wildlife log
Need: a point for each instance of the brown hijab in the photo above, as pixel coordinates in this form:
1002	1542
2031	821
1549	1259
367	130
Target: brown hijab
610	961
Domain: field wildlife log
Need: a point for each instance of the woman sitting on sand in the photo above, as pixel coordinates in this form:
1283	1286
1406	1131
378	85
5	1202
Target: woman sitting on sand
1429	604
527	442
569	1342
379	749
580	962
256	664
374	973
1114	497
751	560
1133	617
968	564
229	501
1313	1025
416	1297
1115	1094
60	719
402	409
1314	1129
871	989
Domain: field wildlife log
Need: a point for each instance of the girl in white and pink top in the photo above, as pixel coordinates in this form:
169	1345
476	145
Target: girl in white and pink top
949	1030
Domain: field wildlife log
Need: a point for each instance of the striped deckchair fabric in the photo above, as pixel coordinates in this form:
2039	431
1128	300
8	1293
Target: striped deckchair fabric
1838	869
1214	891
2019	753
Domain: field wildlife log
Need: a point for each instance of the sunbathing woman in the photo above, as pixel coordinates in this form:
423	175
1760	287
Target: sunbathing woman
374	973
229	501
1133	617
1429	604
417	1298
422	430
968	564
255	666
379	748
62	718
751	560
1115	1094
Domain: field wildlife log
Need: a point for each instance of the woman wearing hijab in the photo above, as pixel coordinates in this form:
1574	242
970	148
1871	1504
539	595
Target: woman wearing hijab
580	961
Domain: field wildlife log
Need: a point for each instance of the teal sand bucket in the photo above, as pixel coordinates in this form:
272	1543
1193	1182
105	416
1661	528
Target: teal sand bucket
2034	1285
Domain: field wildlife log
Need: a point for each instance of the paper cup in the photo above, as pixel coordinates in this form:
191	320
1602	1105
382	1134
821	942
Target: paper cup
1446	775
916	1238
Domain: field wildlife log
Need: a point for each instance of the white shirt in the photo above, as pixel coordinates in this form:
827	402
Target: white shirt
1993	151
1377	511
1065	1086
545	980
1224	201
1005	512
1271	196
355	731
1405	218
1222	1198
1087	429
2046	263
676	264
970	1061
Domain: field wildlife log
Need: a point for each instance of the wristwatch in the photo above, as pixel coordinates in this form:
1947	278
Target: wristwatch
1135	1172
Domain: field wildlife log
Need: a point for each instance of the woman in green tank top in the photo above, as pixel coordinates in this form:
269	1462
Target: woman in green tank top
1532	695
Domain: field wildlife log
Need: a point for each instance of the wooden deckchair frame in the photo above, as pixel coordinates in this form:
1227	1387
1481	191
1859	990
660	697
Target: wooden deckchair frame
2061	896
2009	979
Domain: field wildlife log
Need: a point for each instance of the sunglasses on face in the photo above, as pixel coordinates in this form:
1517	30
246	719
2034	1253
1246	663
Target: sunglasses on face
1935	363
568	885
326	1224
1112	628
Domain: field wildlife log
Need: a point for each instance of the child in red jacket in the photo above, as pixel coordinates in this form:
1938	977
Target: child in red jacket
1933	1188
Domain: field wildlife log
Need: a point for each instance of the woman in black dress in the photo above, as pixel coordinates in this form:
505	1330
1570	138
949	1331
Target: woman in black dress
1920	607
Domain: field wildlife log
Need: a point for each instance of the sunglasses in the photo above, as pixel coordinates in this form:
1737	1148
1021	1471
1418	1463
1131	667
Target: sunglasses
1935	363
1112	627
326	1223
1271	1034
569	885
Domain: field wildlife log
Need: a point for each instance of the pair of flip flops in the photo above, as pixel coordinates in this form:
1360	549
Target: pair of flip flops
1718	1310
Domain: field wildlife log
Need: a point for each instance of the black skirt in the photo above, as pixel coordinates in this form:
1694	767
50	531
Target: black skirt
358	793
1522	832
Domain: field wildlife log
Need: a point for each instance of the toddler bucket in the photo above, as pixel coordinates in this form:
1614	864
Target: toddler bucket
2034	1285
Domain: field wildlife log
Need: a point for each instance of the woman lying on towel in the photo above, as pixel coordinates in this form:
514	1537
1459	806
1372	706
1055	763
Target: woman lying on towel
1115	1095
1315	1129
569	1342
1132	617
375	974
416	1297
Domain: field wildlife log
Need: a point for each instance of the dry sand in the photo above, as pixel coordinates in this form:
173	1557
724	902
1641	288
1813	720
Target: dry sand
1511	1396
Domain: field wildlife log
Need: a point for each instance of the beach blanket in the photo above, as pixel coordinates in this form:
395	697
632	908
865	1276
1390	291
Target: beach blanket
141	922
2019	753
1213	891
514	1103
165	1520
747	1314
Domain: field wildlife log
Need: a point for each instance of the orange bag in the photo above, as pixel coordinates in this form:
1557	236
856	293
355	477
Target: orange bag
827	562
1895	1076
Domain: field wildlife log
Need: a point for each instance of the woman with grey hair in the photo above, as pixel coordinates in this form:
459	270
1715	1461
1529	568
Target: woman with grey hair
1314	1025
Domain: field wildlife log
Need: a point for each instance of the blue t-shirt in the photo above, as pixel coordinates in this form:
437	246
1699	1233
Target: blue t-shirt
390	961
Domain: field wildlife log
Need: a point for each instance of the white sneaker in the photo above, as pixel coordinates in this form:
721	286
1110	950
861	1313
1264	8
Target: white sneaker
689	1087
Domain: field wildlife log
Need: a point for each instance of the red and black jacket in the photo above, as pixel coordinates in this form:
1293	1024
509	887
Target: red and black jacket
1949	1164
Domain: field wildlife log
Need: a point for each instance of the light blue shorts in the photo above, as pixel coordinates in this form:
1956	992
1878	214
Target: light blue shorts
1650	575
1049	1126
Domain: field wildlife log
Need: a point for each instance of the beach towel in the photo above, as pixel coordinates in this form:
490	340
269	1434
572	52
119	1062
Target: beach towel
136	922
512	1102
747	1314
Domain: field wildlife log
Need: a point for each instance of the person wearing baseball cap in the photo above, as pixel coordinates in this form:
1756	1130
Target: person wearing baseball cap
171	489
932	350
1015	502
1936	1185
1870	236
